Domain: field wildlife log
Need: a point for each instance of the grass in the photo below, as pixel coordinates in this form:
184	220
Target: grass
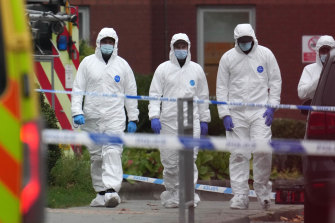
59	197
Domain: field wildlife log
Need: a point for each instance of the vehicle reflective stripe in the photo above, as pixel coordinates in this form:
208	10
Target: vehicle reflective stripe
10	139
9	206
8	166
13	106
64	100
46	84
60	71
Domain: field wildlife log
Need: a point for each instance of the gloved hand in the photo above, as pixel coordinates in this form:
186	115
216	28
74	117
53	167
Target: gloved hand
79	119
204	128
268	115
131	127
228	123
156	125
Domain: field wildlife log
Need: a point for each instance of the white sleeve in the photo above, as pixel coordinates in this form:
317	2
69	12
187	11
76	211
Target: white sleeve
156	90
222	82
274	81
130	88
203	94
307	85
79	85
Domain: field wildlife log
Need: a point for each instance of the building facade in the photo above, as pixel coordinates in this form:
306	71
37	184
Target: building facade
145	28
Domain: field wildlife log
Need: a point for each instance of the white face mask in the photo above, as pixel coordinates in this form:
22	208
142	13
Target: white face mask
323	57
180	54
245	46
107	49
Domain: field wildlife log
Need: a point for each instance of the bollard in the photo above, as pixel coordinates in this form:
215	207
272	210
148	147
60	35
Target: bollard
186	163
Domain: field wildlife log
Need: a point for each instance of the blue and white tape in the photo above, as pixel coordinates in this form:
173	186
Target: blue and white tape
201	187
141	140
198	101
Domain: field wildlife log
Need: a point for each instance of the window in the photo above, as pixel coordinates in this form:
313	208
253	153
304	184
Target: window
3	79
84	23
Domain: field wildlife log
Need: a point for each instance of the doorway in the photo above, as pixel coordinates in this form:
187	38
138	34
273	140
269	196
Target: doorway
215	32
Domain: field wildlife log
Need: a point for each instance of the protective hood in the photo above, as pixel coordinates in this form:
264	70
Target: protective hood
106	32
323	41
175	38
244	30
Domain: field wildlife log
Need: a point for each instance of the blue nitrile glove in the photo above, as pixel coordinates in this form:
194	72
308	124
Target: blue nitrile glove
131	127
79	119
156	125
268	115
204	128
228	123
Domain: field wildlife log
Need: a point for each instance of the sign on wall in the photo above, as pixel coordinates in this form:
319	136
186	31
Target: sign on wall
308	48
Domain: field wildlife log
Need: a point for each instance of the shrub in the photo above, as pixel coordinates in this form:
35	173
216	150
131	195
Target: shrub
85	49
54	152
73	171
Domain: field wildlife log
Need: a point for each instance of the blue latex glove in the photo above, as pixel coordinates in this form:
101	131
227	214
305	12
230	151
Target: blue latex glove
228	123
131	127
204	128
79	119
156	125
268	115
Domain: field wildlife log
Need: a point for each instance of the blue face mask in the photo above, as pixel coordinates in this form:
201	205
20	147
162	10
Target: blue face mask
107	49
245	46
180	54
323	57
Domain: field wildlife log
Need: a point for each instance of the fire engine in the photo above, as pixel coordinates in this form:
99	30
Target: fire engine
54	27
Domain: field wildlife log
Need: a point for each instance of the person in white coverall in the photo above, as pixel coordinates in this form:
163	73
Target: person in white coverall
105	72
311	74
248	73
178	77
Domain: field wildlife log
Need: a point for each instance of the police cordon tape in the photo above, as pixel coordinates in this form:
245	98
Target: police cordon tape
202	187
198	101
142	140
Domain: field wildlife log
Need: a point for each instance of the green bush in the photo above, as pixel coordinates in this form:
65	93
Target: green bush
142	162
287	129
73	171
54	152
85	49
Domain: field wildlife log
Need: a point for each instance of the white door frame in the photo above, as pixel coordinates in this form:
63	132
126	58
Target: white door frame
200	24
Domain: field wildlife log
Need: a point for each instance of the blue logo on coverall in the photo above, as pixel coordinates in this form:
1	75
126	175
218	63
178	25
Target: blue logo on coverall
192	82
260	69
117	78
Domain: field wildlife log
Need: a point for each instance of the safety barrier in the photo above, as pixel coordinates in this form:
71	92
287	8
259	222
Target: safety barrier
237	104
201	187
141	140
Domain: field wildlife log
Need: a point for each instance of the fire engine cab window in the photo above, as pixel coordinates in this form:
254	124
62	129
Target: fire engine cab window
3	79
329	90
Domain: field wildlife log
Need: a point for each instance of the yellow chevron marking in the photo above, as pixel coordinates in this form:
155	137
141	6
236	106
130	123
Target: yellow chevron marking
9	206
10	139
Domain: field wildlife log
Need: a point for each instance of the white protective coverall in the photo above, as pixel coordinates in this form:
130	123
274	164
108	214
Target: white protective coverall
254	78
105	114
171	80
310	75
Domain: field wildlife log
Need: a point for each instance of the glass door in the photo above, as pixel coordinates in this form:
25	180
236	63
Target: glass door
216	36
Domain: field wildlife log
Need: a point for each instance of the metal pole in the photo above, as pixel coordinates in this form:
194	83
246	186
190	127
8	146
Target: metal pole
186	163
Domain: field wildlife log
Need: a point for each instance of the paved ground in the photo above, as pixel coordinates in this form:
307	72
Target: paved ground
148	211
140	204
